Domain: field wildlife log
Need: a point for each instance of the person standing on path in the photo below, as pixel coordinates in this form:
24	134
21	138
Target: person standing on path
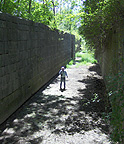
63	73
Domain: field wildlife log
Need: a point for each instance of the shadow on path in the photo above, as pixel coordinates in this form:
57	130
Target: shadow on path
44	114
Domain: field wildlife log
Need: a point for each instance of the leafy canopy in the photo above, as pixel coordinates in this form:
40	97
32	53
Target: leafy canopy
98	17
56	14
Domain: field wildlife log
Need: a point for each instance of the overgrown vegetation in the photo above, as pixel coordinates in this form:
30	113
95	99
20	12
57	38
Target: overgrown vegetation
116	85
98	18
84	57
31	9
70	64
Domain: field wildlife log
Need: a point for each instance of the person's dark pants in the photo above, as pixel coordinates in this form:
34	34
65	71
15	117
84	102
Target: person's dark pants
62	80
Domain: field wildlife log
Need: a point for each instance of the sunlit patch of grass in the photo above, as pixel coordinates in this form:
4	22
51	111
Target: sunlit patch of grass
83	58
86	58
78	54
70	64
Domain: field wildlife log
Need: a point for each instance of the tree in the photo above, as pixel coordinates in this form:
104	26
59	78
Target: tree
56	14
97	19
30	6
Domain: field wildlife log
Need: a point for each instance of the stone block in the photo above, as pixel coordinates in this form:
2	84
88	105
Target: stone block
2	24
23	27
6	47
22	35
9	104
2	49
2	61
6	59
5	69
10	24
4	83
8	78
15	84
9	34
2	73
1	34
4	92
14	34
20	46
2	16
9	89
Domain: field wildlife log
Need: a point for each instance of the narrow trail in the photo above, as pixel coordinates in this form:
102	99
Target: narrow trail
73	116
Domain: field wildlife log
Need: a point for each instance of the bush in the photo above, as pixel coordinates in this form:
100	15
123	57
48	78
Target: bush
69	64
86	57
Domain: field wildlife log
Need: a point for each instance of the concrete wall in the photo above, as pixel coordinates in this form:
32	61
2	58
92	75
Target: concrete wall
111	58
108	54
30	55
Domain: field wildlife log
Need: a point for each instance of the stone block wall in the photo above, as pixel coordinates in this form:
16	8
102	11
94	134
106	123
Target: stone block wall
30	55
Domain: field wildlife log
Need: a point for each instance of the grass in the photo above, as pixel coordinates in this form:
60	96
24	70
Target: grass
70	63
86	57
83	58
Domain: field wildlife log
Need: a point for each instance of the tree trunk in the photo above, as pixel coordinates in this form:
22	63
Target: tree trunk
29	6
54	12
18	11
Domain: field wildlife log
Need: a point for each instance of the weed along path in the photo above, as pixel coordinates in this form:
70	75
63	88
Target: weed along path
73	116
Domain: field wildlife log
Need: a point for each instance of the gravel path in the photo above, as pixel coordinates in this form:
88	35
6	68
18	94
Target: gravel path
51	116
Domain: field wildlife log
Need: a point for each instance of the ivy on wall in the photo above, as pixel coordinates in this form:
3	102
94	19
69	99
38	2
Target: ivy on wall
115	88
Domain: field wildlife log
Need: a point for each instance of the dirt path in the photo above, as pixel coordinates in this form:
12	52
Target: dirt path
69	117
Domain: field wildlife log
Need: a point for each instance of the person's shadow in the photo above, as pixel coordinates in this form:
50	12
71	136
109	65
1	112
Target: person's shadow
62	90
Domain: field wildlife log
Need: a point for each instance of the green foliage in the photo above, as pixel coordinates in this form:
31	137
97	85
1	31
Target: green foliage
83	58
94	99
97	19
67	17
70	63
62	15
86	57
116	92
32	10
